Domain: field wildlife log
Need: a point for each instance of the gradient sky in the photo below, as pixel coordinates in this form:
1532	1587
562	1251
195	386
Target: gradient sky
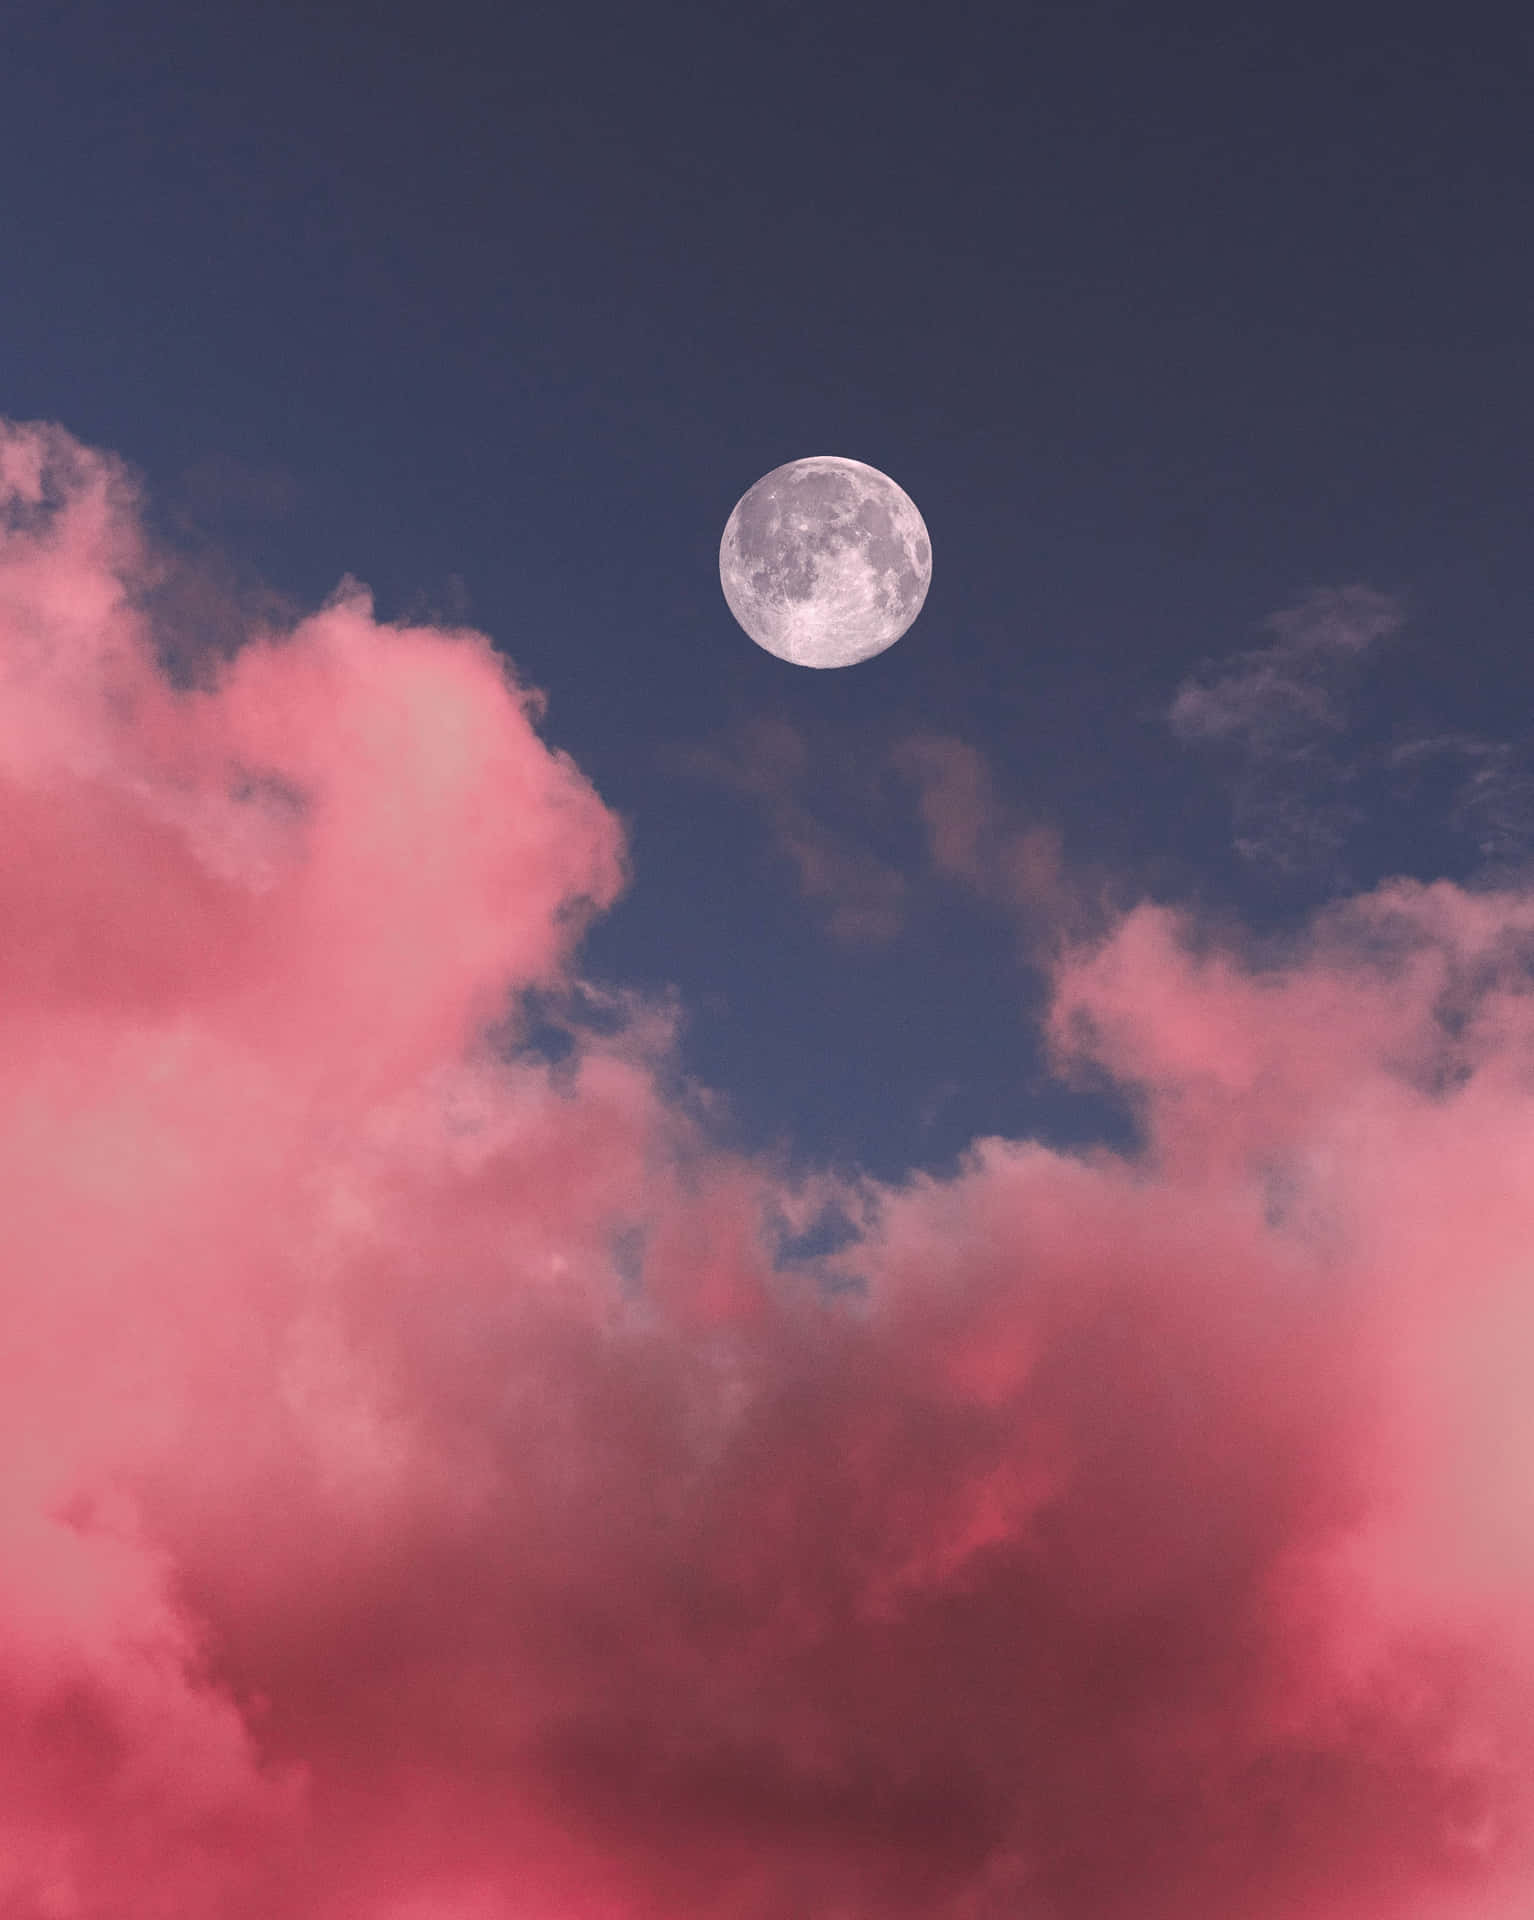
644	1284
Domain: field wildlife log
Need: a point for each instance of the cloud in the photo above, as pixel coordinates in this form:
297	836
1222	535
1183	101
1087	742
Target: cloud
972	837
1273	699
970	834
1491	802
768	760
426	1498
1280	713
1279	709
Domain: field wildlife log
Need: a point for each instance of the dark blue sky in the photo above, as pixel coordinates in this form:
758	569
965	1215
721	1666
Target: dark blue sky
1163	325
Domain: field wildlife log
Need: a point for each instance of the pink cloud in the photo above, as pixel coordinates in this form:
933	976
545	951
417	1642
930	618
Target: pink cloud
968	833
976	838
1148	1538
863	897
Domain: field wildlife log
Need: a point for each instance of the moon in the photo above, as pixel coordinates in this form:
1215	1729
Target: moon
825	561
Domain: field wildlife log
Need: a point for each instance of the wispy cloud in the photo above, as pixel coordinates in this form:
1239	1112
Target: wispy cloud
969	832
982	839
862	896
1280	712
1276	698
1492	795
971	835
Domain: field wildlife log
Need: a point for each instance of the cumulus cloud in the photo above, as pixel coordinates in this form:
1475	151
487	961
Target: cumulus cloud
427	1496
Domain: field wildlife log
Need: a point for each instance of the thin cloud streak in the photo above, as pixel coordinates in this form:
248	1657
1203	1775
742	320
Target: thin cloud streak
972	837
430	1497
862	897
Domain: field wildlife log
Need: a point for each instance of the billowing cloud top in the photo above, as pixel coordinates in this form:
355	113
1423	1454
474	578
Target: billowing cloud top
426	1497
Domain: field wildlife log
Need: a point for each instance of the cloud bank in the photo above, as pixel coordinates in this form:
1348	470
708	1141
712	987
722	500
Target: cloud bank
425	1497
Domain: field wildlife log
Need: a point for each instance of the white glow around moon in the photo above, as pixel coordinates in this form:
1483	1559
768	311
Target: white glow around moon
825	562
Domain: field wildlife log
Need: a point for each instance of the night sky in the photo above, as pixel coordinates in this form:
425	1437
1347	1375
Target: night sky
1179	855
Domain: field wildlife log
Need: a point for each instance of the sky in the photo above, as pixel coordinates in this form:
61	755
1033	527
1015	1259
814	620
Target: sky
643	1284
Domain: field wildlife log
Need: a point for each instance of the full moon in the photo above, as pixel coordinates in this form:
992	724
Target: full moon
825	562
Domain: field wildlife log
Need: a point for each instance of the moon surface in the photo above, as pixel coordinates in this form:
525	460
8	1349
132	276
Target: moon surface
825	561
